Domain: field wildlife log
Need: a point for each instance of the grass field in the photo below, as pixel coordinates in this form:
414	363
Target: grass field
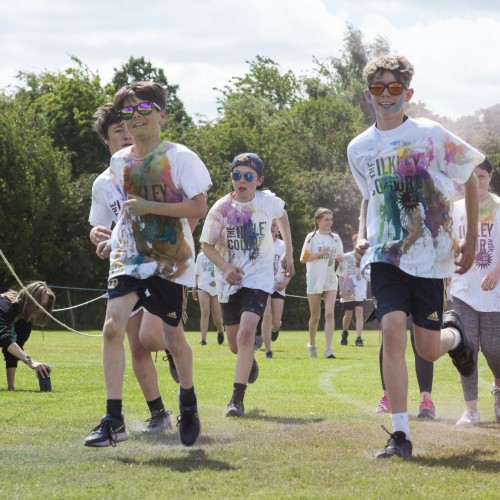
310	430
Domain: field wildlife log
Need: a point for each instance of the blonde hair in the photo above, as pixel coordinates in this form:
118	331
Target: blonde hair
25	306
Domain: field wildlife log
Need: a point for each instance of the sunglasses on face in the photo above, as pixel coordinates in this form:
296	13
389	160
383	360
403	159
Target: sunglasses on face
238	175
394	88
143	108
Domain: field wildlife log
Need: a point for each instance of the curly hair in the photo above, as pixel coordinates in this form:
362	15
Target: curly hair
399	66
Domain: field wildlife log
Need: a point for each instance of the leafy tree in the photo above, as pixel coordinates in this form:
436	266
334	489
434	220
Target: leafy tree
343	76
36	202
67	100
137	69
264	80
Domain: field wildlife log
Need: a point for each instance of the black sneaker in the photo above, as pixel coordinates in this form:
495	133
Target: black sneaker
254	372
343	340
397	446
203	342
188	423
275	335
258	342
235	409
159	421
109	432
269	354
171	365
220	338
359	342
464	358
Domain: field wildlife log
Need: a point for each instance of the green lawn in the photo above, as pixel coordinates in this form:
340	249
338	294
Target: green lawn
310	430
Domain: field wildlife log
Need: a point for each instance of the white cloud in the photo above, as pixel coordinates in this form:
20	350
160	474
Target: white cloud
202	44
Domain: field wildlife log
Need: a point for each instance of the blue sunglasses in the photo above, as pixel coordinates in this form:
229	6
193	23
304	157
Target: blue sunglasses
236	176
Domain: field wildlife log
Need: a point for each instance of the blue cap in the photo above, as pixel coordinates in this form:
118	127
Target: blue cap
249	160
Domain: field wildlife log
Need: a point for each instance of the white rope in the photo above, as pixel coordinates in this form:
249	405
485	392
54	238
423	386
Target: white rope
39	305
80	305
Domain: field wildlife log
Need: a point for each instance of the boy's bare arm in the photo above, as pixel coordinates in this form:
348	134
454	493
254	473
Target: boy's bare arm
232	274
467	247
361	242
195	208
286	234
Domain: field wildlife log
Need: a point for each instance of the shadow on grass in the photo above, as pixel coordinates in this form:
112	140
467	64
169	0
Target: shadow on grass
260	415
166	439
195	460
476	459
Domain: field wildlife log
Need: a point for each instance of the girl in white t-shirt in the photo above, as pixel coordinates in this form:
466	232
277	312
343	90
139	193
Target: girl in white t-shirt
476	294
320	251
205	292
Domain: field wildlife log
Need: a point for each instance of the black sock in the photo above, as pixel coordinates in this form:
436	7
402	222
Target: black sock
114	408
187	396
155	405
238	392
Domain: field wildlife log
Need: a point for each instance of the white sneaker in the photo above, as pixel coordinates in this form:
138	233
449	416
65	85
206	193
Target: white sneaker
496	392
329	353
469	417
313	351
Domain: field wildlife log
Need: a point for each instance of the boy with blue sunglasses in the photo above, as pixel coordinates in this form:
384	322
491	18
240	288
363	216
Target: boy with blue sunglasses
237	238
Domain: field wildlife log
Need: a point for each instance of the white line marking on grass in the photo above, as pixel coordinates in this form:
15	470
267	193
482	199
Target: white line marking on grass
327	385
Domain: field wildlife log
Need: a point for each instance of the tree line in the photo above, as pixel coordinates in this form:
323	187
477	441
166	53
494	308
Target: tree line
300	126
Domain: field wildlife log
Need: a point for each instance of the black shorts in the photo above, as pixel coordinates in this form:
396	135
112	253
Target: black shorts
158	296
395	290
349	306
277	295
245	299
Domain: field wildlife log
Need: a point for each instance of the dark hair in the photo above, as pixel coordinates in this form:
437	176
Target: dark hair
486	165
25	306
148	91
105	116
319	215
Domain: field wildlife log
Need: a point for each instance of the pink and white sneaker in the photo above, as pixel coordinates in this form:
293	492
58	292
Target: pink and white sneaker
426	410
383	405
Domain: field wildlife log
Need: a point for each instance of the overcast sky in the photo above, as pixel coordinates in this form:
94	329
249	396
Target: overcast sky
201	44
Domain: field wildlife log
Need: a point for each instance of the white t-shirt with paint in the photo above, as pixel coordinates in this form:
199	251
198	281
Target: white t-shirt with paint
320	273
241	233
407	175
353	284
467	287
155	245
206	274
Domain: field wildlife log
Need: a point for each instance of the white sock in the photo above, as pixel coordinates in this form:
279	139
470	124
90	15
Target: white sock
457	340
400	423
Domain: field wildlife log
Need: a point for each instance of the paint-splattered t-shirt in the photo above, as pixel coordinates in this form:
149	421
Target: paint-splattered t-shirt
353	284
320	273
205	274
407	174
279	273
147	245
106	200
467	287
241	233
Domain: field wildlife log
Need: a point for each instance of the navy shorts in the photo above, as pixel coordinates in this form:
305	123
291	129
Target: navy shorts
245	299
277	295
158	296
395	290
349	306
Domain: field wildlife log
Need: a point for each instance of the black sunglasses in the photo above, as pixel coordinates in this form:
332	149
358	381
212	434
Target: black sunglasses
394	88
143	108
238	175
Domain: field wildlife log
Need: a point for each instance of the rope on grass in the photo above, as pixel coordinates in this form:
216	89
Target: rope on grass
67	327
